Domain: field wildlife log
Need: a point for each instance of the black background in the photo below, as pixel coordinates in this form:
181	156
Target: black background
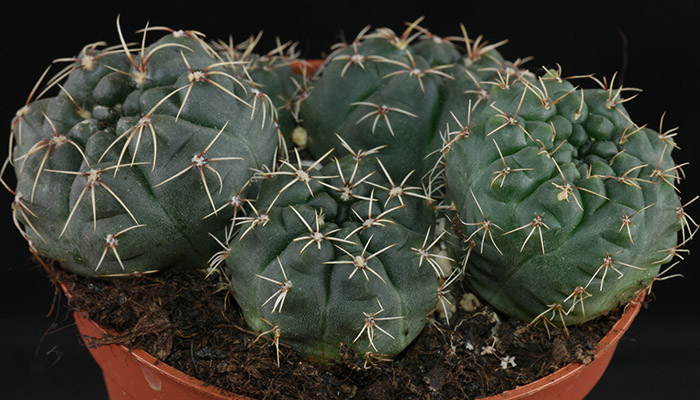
654	46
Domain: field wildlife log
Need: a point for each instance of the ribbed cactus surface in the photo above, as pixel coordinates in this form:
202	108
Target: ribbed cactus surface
330	256
130	166
388	90
569	207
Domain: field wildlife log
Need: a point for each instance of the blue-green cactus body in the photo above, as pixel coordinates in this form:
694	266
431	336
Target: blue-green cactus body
387	91
128	168
335	257
563	199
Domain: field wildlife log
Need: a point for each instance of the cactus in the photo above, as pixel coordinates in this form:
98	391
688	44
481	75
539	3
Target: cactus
388	90
330	256
568	207
155	157
133	163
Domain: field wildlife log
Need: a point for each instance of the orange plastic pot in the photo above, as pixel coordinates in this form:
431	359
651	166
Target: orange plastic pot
136	375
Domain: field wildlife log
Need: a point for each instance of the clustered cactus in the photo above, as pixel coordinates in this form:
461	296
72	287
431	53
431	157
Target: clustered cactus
323	197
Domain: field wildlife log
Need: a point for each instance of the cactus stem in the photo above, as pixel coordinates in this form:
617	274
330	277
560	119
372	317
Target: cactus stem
627	221
361	263
502	174
276	334
609	263
578	296
281	294
112	242
536	223
371	323
316	236
381	111
424	254
486	226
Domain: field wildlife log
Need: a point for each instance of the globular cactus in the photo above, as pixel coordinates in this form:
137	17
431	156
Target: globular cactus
332	255
389	90
567	207
133	164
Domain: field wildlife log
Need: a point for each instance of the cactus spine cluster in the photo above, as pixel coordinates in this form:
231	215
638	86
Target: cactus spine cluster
185	154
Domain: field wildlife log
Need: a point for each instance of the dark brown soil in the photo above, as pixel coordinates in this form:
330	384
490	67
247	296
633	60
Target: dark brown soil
192	324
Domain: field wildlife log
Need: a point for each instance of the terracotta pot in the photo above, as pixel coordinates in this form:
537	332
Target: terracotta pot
135	374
